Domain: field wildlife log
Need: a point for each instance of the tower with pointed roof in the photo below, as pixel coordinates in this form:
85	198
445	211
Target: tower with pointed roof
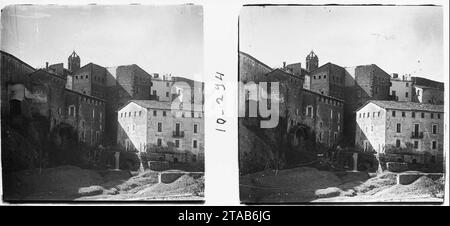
312	61
74	62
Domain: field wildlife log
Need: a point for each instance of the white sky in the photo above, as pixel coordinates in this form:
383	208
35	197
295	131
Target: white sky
399	39
159	39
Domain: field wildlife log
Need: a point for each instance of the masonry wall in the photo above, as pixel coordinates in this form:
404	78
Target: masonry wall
90	80
362	83
328	80
407	127
185	152
12	71
53	88
428	95
371	128
250	69
162	89
402	90
123	83
89	117
328	127
132	128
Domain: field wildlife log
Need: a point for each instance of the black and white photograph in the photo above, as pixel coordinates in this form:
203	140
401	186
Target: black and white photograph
102	102
341	104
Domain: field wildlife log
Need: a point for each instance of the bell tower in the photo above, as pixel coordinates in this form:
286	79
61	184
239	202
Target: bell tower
73	62
312	61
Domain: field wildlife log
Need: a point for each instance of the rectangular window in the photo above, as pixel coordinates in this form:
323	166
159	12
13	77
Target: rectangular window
177	143
309	111
167	94
403	114
159	127
399	128
406	94
121	114
379	113
393	113
194	143
154	113
397	143
416	144
140	112
154	92
434	145
431	115
72	110
439	116
413	114
195	128
159	142
435	129
423	115
164	113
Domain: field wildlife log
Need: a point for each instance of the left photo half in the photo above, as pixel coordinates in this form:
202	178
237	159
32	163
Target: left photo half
102	103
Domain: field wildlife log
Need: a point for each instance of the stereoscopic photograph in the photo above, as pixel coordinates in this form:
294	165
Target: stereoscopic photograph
341	104
102	103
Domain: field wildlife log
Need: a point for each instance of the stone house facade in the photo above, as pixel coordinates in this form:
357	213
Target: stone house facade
362	83
412	128
13	74
401	89
328	80
163	130
87	114
325	115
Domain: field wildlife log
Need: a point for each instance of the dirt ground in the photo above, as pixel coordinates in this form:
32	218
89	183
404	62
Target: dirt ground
305	184
72	183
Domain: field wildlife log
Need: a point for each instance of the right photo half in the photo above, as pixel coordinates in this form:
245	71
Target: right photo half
341	104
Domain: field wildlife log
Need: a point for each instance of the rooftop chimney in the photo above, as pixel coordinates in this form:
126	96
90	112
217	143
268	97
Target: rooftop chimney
284	65
394	75
46	65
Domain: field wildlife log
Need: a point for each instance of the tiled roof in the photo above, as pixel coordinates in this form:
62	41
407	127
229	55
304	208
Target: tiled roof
154	104
400	105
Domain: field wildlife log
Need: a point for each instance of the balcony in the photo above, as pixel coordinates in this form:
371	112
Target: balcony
154	97
416	135
178	134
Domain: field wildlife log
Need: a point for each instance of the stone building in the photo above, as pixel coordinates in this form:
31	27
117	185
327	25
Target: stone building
312	61
46	92
362	83
90	80
163	129
87	114
410	128
328	80
325	114
42	94
13	73
162	87
401	88
123	83
304	115
427	94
